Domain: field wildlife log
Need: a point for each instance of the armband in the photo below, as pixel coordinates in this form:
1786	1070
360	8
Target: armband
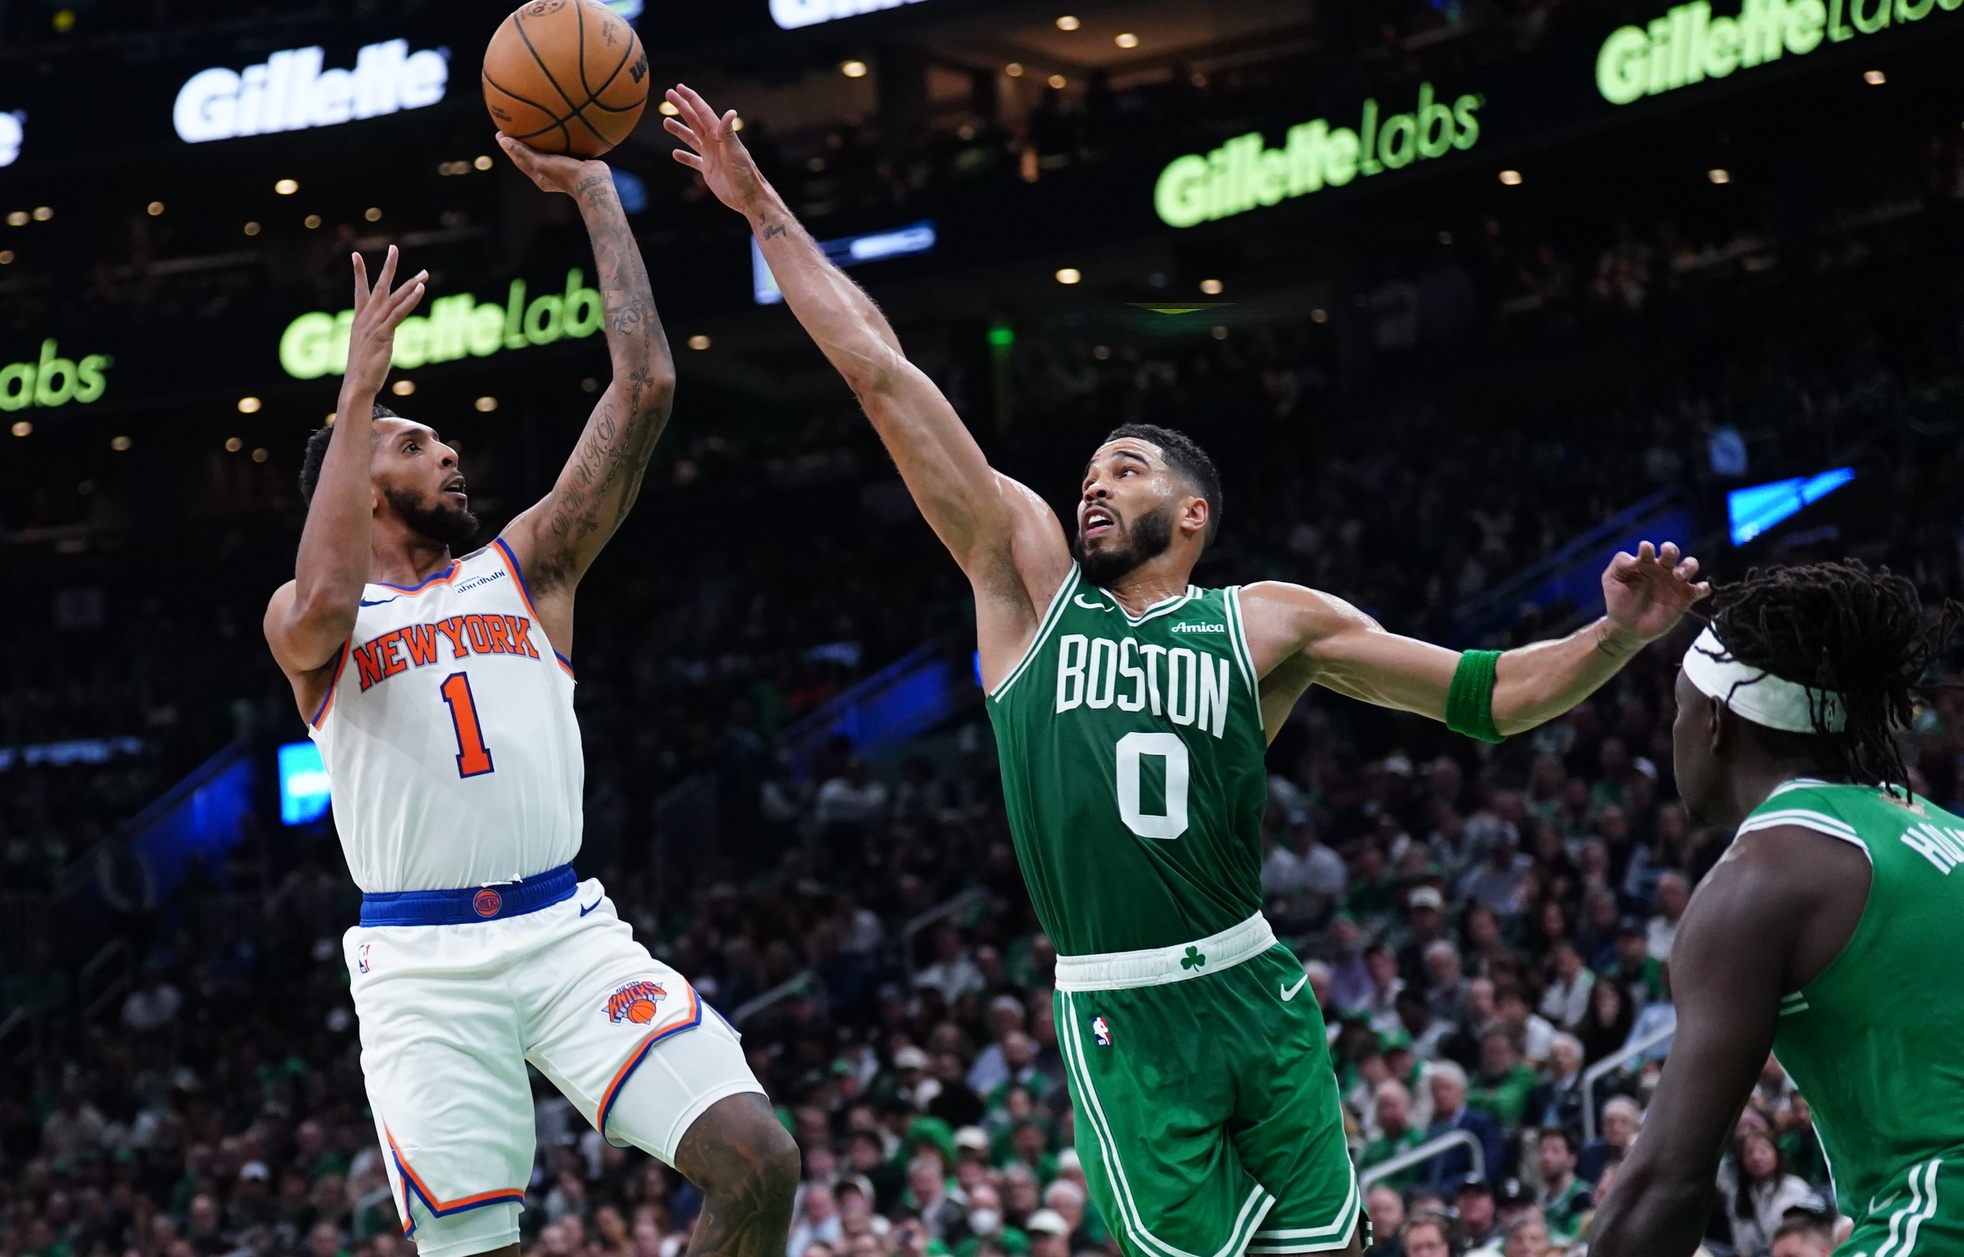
1469	701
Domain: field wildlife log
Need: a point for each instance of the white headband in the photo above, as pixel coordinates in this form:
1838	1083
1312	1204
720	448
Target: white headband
1757	695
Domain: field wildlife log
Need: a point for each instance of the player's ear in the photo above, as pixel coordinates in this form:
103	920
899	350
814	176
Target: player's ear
1719	729
1194	516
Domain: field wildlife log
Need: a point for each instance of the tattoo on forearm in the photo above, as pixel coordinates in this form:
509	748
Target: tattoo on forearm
1607	643
607	466
775	229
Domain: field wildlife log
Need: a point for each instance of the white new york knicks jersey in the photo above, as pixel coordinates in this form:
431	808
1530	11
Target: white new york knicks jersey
448	734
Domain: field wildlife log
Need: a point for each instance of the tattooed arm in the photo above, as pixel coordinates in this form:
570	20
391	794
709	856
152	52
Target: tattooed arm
558	538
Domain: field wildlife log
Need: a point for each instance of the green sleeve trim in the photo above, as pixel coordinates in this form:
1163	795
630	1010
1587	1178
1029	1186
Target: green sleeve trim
1469	701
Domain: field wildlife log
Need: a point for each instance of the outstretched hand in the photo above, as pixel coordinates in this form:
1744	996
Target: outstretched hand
1645	594
554	172
714	151
372	337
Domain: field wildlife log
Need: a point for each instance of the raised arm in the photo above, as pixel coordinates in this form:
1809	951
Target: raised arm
1004	537
311	616
1300	637
557	539
1767	919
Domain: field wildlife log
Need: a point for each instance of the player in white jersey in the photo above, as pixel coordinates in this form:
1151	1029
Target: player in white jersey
441	694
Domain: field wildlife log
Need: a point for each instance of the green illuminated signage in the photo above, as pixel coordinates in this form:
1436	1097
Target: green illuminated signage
52	380
1690	43
1244	173
316	344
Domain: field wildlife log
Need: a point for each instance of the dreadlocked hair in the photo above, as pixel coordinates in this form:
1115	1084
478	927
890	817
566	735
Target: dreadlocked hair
1844	628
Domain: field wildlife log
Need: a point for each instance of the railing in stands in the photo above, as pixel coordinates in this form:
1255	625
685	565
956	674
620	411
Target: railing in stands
1609	1065
118	984
1430	1150
797	984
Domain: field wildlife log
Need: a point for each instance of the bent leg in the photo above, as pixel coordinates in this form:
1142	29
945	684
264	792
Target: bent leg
747	1166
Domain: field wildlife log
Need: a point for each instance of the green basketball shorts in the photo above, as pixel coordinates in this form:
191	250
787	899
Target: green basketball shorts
1920	1217
1207	1113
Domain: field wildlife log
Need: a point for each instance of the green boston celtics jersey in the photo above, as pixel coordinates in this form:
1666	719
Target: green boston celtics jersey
1132	769
1873	1042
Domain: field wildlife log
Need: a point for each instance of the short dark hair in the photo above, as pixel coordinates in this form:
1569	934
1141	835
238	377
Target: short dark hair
1184	457
310	462
1568	1137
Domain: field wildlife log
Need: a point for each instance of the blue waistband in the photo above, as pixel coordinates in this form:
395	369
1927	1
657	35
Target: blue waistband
470	904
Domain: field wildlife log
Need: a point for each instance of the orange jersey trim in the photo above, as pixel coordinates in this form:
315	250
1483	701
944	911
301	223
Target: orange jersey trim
333	684
413	1186
525	592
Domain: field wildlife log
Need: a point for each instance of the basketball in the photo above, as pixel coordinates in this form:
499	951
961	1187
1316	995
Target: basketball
565	76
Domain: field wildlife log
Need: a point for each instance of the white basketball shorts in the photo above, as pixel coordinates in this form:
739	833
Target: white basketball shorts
450	1014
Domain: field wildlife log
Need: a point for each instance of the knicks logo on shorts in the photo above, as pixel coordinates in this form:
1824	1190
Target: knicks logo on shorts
487	903
635	1002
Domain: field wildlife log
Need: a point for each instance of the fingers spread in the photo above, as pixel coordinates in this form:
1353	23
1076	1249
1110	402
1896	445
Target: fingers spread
361	281
683	133
687	158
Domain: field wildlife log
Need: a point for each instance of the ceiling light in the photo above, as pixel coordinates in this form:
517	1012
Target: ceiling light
287	187
403	388
1220	333
487	404
1717	175
311	221
854	69
260	455
120	444
482	161
1068	275
1319	315
1126	40
6	257
668	109
373	214
42	213
1068	23
252	229
1874	78
233	445
22	427
1212	287
1014	69
1512	178
18	218
153	209
698	341
249	405
1057	81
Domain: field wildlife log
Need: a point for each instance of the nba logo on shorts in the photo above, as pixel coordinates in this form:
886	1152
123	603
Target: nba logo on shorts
488	902
1101	1032
361	958
635	1002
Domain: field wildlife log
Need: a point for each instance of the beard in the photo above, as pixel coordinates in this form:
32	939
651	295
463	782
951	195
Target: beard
1145	539
450	526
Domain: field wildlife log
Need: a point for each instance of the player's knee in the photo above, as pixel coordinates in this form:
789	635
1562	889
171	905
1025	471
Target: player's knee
740	1152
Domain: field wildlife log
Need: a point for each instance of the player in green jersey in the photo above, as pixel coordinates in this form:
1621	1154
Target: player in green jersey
1132	711
1829	931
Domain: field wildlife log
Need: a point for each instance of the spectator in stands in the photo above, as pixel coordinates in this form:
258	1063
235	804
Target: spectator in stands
1423	1031
1803	1235
1526	1237
1425	917
1445	982
1387	1212
953	972
991	1068
153	1005
815	1221
1381	1005
1557	1098
1050	1235
1495	883
1566	1001
1533	1036
1427	1235
1564	1197
1657	1017
928	1197
1673	894
1764	1191
1450	1112
1621	1118
1304	880
1350	977
1504	1082
1607	1027
1479	1224
1396	1134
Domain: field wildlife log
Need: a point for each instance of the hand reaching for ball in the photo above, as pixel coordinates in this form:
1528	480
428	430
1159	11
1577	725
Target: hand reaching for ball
555	172
714	151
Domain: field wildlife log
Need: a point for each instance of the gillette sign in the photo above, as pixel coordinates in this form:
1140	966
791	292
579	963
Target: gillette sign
290	91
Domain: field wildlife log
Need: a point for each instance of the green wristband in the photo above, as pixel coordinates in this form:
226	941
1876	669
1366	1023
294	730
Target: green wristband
1469	700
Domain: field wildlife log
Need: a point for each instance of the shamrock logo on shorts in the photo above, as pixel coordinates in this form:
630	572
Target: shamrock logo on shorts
1193	959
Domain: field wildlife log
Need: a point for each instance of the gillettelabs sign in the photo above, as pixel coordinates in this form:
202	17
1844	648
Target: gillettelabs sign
1244	174
316	344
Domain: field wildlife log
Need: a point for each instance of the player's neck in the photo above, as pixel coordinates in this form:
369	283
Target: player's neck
397	556
1149	584
1754	782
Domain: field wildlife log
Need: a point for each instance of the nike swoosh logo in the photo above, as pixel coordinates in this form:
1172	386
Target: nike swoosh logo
378	602
590	907
1289	992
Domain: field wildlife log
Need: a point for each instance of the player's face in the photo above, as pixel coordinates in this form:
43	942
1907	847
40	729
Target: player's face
417	475
1699	771
1125	509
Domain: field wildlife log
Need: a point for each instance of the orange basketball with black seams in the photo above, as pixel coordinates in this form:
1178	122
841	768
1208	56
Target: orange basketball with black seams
566	76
